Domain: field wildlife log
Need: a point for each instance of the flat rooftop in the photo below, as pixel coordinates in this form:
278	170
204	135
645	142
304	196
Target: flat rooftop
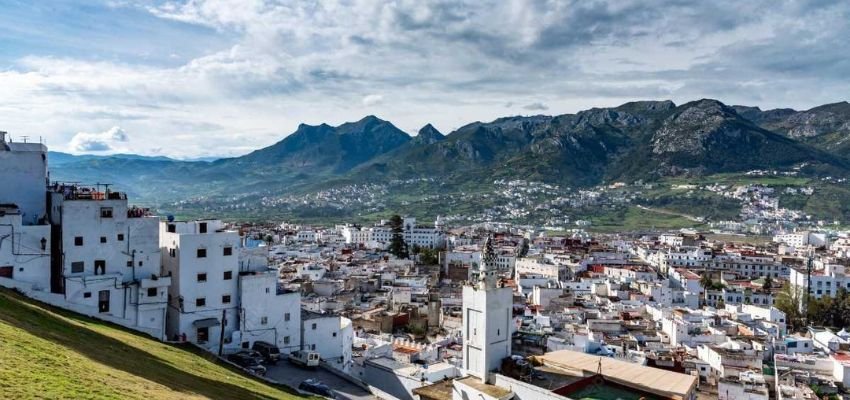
663	383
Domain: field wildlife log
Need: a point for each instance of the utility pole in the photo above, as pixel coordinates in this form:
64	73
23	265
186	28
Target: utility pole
221	335
809	267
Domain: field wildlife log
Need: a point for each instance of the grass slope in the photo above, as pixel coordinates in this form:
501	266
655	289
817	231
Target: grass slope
48	353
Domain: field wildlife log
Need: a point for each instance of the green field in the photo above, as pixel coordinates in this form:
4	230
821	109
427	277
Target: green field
636	219
46	353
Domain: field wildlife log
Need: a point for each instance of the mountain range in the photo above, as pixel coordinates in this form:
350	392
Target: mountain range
643	140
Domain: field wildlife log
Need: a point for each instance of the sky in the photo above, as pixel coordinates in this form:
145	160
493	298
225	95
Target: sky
213	78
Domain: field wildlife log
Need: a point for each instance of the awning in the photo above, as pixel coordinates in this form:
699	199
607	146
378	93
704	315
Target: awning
206	323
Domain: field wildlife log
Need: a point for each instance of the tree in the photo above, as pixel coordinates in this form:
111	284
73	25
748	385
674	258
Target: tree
706	283
768	282
523	248
429	257
397	247
790	301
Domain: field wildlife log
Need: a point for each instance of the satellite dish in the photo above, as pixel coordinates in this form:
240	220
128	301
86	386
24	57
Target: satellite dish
170	218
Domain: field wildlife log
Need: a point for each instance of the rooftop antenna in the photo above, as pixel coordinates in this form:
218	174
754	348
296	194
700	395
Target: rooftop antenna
24	138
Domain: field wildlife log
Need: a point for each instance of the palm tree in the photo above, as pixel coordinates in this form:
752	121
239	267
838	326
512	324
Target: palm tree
706	283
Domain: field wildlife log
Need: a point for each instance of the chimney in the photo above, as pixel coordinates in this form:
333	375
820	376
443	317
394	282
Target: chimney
3	145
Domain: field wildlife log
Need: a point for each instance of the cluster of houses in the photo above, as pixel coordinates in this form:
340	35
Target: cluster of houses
503	312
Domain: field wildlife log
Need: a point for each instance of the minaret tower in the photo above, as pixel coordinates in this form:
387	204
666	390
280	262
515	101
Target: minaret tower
487	317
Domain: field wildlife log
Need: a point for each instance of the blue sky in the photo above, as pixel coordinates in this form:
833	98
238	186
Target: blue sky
223	77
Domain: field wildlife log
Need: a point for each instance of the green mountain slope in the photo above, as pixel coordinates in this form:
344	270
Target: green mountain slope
54	354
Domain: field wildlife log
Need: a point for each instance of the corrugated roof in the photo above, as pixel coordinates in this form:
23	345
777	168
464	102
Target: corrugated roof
652	380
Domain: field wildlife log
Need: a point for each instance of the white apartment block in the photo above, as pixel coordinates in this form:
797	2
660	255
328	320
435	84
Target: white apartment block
801	239
826	279
109	256
201	258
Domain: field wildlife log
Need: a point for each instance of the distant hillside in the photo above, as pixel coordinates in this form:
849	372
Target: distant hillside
54	354
826	127
637	141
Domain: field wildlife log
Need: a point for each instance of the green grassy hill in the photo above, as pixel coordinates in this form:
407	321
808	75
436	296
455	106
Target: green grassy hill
55	354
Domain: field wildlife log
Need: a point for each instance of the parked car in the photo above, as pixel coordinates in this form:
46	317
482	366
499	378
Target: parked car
248	361
319	388
270	352
304	358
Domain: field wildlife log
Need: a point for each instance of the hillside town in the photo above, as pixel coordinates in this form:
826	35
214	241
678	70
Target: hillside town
404	309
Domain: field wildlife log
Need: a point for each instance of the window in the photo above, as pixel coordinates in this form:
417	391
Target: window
172	253
314	327
200	302
312	347
172	228
77	267
120	237
228	251
225	299
228	275
267	290
202	253
152	292
129	263
103	239
264	320
286	340
100	265
286	317
141	263
334	334
87	295
78	241
202	227
202	277
106	212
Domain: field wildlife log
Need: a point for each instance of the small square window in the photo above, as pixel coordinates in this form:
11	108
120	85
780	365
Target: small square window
103	239
200	302
86	295
202	227
286	340
334	334
202	277
228	275
106	212
314	327
228	251
129	263
141	263
120	237
286	317
264	320
152	292
78	267
202	253
78	241
225	299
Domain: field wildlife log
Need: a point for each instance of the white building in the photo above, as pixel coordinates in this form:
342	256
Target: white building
267	312
24	177
201	257
107	257
329	335
487	319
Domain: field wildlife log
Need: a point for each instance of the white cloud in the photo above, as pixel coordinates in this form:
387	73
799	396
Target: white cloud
440	61
373	100
536	107
105	141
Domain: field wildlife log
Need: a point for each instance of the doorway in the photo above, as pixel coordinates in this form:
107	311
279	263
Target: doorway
203	335
103	301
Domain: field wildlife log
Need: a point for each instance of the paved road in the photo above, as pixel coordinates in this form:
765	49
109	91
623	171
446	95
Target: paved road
292	375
